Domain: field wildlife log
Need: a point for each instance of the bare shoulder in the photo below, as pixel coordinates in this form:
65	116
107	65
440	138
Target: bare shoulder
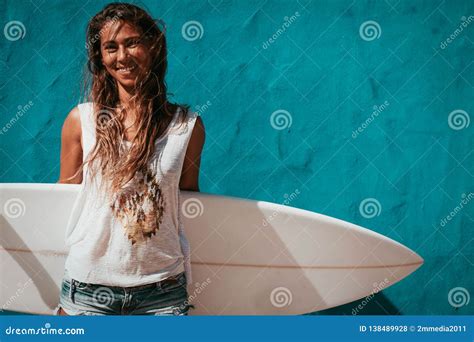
72	125
71	149
199	123
199	132
190	172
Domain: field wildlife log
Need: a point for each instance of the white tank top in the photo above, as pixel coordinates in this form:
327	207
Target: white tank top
137	237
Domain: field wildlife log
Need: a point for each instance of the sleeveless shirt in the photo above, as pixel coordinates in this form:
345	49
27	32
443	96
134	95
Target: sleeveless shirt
136	237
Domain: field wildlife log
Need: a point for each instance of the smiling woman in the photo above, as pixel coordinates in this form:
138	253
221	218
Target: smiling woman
132	151
126	55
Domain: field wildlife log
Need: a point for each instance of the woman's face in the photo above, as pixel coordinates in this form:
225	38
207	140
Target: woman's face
124	54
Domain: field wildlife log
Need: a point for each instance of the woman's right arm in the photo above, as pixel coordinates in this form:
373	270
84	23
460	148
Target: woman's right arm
71	149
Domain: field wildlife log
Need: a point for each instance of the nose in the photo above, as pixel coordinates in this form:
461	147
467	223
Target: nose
122	54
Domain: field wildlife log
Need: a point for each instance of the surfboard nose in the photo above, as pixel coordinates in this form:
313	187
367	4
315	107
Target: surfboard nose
417	262
419	259
408	257
414	263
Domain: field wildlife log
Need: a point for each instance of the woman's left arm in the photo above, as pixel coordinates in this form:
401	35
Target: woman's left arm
190	174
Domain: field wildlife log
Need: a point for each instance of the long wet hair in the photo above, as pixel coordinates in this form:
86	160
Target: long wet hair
153	109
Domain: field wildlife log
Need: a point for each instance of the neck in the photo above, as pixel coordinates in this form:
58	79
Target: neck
125	95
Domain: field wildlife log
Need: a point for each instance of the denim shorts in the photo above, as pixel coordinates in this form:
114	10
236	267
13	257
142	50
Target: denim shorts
167	297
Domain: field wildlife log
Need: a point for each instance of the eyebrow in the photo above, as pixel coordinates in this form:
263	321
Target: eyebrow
126	39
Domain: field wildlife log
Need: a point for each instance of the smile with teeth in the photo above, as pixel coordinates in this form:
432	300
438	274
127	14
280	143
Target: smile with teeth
126	69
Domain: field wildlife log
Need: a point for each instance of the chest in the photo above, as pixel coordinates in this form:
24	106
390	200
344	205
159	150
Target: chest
167	159
131	129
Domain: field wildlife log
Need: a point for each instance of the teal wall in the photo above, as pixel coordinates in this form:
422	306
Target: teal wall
415	159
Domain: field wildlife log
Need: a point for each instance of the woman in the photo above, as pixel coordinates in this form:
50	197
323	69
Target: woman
131	150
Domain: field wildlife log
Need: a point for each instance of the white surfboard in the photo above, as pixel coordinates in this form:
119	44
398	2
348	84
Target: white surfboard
248	257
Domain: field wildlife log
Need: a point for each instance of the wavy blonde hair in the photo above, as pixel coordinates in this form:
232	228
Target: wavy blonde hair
149	99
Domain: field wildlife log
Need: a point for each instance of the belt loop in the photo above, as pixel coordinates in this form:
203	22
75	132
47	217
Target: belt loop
72	290
158	285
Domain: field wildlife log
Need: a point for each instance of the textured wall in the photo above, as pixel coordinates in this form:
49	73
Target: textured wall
377	113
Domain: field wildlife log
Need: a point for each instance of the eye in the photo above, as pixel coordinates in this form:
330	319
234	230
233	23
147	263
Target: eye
133	42
110	47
